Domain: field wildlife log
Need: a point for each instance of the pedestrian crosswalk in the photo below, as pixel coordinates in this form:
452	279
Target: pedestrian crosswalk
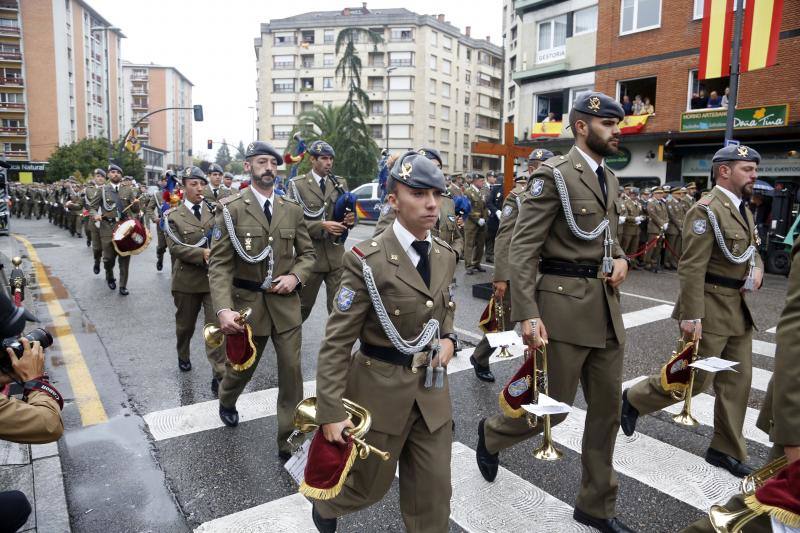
513	502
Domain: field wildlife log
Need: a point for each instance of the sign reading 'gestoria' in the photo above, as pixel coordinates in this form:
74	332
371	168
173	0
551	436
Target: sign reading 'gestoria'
770	116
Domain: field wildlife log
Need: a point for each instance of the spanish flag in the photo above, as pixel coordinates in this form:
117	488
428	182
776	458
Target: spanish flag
762	27
715	47
632	124
547	129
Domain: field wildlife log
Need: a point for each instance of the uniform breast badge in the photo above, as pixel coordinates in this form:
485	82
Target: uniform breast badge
344	299
248	243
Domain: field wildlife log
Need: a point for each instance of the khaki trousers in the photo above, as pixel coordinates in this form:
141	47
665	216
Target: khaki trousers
630	242
731	389
674	241
110	255
425	488
162	242
290	380
599	371
475	241
652	255
97	245
187	307
308	295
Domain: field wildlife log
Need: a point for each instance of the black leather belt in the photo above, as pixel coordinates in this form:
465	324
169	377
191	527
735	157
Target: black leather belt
572	270
247	285
722	281
110	220
387	354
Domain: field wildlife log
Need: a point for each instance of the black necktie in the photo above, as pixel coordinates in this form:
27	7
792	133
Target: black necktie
267	211
196	209
601	177
742	210
215	192
322	186
424	265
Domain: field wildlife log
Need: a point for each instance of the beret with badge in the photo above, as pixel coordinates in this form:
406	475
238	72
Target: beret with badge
540	154
320	148
431	153
112	166
418	172
262	148
99	171
736	153
599	105
213	167
194	173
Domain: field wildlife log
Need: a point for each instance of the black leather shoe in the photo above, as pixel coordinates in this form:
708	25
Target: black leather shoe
160	264
215	387
185	366
323	525
123	291
629	415
487	462
88	243
96	268
734	466
470	271
230	417
480	268
483	372
605	525
112	284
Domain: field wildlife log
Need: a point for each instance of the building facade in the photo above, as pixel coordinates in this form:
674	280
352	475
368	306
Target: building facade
428	84
147	88
60	81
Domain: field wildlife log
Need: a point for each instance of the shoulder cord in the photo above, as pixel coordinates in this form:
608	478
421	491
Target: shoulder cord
168	231
266	253
603	227
306	211
105	202
749	253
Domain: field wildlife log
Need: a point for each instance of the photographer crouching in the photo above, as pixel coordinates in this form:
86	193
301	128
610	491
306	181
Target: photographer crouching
36	417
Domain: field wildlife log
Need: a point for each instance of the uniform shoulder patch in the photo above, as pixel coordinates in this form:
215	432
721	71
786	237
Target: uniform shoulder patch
706	200
699	226
344	298
507	210
170	211
366	248
385	208
217	232
537	186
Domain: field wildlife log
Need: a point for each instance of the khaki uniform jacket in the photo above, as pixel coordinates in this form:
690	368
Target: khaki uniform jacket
657	216
329	255
89	196
222	192
189	268
478	201
126	197
541	231
293	254
455	190
36	422
780	413
502	241
676	210
630	210
388	391
723	310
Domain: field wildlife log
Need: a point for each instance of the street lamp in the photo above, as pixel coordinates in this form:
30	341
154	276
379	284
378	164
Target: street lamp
105	30
389	70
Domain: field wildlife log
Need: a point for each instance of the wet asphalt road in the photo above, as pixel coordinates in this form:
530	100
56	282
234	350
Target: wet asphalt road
118	478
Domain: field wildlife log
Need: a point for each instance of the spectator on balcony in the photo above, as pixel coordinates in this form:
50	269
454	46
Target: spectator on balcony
637	104
714	100
646	107
700	101
725	97
551	117
627	106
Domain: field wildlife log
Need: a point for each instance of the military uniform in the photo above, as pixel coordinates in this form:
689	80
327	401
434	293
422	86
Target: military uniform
676	211
494	203
657	218
92	201
189	238
711	291
154	207
114	200
215	194
571	291
236	284
629	234
475	229
410	420
74	207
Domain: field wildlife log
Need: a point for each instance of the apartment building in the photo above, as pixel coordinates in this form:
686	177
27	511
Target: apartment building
166	137
428	83
59	79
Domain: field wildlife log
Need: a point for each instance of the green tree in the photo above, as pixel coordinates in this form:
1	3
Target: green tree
356	152
223	155
236	168
348	70
239	155
82	157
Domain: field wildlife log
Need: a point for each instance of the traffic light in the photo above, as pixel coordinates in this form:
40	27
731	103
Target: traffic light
198	113
210	144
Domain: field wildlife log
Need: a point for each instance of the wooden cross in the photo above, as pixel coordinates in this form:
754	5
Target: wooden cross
508	150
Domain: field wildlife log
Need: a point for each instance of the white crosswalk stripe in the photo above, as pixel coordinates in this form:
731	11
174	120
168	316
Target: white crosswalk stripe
764	348
703	412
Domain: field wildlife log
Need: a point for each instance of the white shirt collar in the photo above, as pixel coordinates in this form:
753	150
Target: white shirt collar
189	205
261	198
405	238
735	199
317	176
589	161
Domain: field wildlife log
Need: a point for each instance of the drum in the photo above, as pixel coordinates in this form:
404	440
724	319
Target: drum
130	237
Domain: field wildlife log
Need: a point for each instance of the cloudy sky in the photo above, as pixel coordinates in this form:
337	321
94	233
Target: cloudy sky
211	43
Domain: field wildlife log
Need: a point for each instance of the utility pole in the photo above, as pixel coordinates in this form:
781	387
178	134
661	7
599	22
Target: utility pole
734	81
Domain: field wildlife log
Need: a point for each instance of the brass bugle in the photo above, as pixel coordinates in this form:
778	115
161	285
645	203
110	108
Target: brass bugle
213	334
305	421
501	326
547	451
754	481
685	417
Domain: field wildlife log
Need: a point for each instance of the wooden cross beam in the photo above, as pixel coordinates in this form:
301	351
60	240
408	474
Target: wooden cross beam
508	151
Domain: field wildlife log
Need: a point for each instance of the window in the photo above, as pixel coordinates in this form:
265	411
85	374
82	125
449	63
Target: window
466	98
445	157
469	54
575	92
467	76
306	84
328	36
585	20
466	120
282	85
285	38
549	106
552	39
444	136
402	34
447	66
375	59
432	63
376	108
446	90
431	110
281	131
364	192
641	92
447	43
465	159
400	131
433	87
11	98
702	92
306	106
327	84
511	93
307	60
282	61
327	60
400	59
376	130
434	38
400	107
401	83
445	113
375	83
283	109
431	134
308	36
639	15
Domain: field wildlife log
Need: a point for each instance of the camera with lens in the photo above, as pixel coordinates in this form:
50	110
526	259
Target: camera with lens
15	343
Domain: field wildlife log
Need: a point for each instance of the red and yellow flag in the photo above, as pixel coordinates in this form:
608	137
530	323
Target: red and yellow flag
546	129
762	27
632	124
715	47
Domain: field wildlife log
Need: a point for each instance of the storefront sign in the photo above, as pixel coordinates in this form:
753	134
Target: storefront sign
619	161
552	54
771	165
770	116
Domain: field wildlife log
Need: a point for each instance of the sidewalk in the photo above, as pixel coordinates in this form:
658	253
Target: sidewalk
33	469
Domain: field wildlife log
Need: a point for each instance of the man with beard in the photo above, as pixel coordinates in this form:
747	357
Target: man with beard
260	256
579	284
117	202
214	191
712	305
317	193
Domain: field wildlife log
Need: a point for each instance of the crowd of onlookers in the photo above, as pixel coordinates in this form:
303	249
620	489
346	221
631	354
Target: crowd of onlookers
639	105
701	100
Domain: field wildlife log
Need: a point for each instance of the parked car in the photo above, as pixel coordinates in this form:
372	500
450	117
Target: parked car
368	202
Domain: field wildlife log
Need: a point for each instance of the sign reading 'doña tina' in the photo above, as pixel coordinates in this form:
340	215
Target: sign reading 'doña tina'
770	116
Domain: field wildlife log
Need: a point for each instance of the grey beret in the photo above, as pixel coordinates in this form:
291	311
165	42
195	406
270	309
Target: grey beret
213	167
540	154
431	153
736	153
599	105
262	148
100	171
112	166
194	173
418	172
319	148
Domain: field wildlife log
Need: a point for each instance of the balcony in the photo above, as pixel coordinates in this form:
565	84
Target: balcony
22	154
138	92
9	5
8	131
9	30
524	6
139	105
142	77
13	107
10	56
15	81
541	70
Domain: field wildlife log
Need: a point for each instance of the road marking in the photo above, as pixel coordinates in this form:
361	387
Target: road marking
647	298
703	411
773	329
86	396
466	333
290	514
764	348
645	316
760	380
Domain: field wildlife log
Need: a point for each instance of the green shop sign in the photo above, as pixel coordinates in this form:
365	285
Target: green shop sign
619	160
770	116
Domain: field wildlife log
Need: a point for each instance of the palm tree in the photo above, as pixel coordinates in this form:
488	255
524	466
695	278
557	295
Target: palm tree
348	70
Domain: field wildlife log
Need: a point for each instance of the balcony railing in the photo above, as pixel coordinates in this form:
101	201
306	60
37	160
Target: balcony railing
400	63
6	106
139	105
9	30
16	153
9	4
11	81
142	92
138	76
10	56
13	131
